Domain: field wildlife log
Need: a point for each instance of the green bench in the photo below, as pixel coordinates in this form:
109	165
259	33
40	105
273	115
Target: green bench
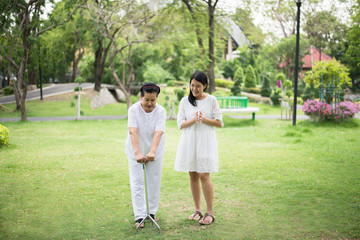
235	104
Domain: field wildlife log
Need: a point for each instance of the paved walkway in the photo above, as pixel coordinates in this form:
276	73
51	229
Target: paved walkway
52	90
51	119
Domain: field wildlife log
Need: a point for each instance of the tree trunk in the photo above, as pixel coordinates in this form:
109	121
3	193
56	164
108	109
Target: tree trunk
21	74
97	66
74	67
22	85
32	76
15	87
211	73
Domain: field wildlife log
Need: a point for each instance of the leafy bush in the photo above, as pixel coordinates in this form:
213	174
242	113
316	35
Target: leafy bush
180	93
318	111
238	78
250	77
239	75
170	83
327	73
155	73
79	80
77	88
223	83
228	69
265	88
134	98
9	90
4	136
236	88
309	93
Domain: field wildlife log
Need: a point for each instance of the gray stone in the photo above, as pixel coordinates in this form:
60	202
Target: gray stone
104	98
120	95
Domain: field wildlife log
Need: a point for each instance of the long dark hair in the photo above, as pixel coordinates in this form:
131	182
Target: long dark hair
200	77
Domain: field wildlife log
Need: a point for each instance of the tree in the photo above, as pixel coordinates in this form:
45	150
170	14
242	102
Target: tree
265	88
124	31
353	38
20	25
238	78
155	73
239	75
285	84
228	68
211	6
284	12
285	53
250	77
102	44
244	19
326	73
326	33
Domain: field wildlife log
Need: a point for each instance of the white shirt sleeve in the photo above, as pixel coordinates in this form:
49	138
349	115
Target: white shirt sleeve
132	117
161	121
181	113
216	112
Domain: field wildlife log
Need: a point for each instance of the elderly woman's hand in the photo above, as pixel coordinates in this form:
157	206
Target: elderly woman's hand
140	158
150	157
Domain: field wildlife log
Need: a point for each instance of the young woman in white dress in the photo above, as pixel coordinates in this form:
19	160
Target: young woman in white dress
198	115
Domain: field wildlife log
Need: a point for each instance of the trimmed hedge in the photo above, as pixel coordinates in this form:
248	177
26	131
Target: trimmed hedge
223	83
250	77
251	90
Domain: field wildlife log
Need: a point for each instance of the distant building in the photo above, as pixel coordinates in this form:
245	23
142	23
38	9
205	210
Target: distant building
235	34
309	60
313	56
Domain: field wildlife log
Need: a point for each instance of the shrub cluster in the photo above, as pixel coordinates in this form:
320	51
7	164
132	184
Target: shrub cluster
318	111
180	93
9	90
4	136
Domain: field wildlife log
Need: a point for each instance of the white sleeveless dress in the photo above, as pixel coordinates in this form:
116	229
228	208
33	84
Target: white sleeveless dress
197	150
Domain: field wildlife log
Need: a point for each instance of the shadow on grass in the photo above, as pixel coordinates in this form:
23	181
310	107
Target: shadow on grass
232	122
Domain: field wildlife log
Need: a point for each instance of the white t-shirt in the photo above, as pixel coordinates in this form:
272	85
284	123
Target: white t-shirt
146	124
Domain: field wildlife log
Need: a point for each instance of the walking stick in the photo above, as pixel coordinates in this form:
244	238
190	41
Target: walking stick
147	206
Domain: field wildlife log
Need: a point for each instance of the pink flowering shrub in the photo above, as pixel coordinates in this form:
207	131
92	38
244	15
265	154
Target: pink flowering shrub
318	111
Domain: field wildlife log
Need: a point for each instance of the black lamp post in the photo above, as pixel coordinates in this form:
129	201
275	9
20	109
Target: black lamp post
298	4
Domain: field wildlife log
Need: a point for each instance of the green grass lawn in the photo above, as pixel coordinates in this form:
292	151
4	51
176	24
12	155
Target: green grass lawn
69	180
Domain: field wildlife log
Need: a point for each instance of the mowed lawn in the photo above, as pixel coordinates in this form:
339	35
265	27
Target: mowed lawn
69	180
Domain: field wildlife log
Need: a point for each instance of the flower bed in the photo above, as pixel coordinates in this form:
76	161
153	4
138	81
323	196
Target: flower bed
318	111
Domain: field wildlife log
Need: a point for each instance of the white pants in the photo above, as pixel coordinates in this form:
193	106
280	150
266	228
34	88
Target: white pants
153	177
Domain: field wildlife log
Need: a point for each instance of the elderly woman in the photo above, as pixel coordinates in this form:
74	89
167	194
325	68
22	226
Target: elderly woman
145	144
